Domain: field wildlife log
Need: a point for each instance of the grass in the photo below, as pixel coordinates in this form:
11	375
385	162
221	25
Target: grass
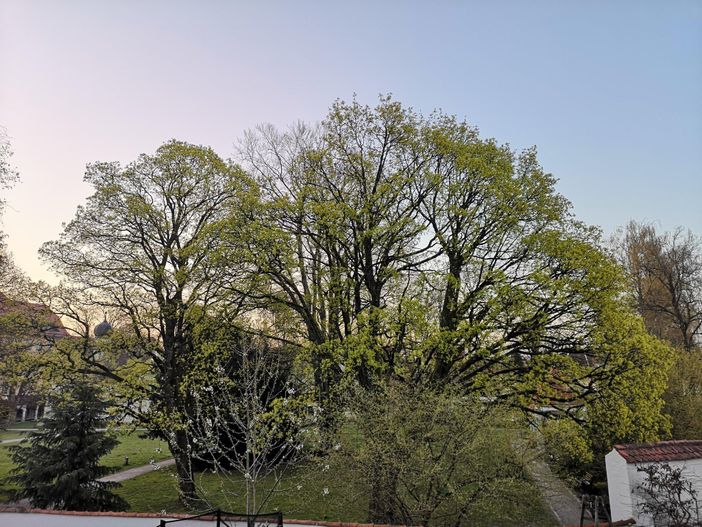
139	450
313	492
301	495
345	501
12	434
25	425
16	430
5	466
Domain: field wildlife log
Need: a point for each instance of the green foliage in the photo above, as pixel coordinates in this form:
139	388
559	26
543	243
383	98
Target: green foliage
628	407
683	397
60	466
411	247
381	245
567	448
432	458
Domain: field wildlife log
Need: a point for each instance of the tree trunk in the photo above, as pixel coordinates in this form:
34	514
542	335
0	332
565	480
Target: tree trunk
449	315
186	484
381	503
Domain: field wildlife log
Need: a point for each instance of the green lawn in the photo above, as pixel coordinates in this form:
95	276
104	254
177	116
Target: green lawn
140	452
302	495
5	467
22	426
16	430
312	491
12	434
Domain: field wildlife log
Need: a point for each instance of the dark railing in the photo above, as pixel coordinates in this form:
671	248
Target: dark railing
223	518
595	505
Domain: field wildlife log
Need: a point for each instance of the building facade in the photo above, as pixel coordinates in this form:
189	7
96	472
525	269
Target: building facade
626	475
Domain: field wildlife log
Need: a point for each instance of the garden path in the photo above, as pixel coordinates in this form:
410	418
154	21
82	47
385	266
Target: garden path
138	471
562	501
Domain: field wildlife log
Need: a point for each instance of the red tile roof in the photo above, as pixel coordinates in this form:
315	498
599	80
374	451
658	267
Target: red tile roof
661	451
37	318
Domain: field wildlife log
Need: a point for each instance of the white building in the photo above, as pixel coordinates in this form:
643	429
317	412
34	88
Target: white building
624	477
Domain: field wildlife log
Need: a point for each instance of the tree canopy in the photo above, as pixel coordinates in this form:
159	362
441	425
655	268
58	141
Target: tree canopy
408	246
666	276
380	245
145	245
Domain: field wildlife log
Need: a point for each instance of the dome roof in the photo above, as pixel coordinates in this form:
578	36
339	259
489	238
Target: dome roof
102	329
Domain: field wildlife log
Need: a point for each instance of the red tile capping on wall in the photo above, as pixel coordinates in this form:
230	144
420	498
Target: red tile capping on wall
662	451
603	523
4	508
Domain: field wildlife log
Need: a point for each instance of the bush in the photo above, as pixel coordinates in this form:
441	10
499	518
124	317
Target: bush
668	497
568	450
433	458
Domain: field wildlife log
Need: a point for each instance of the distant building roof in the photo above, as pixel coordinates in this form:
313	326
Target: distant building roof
662	451
39	317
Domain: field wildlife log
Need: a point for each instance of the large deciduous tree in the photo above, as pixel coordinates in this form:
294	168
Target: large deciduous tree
338	227
409	246
666	274
145	245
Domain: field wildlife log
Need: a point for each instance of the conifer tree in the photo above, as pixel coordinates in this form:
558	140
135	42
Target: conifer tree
60	467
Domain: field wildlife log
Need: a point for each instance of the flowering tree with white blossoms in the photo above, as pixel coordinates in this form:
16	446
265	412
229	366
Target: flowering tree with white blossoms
250	420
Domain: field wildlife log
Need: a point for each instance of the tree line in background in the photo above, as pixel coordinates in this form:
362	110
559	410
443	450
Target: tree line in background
665	271
383	257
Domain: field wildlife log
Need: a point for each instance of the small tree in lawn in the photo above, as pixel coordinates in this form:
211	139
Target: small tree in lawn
249	420
60	467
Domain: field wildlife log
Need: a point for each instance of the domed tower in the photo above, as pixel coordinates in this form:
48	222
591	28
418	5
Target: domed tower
103	328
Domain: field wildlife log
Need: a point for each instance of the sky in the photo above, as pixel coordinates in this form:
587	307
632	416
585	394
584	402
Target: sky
610	92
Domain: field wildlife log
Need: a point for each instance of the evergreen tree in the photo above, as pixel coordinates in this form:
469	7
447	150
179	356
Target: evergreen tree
60	467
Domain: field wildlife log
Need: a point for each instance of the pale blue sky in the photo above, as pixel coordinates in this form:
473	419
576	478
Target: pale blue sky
610	92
